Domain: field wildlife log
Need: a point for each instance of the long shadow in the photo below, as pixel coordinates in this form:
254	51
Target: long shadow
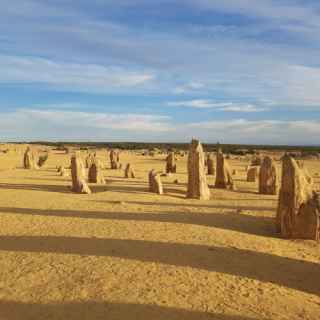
173	190
141	187
114	178
125	181
244	199
36	187
127	186
209	206
261	226
160	160
95	188
98	188
167	187
121	189
288	272
91	310
53	178
239	180
245	191
133	186
179	184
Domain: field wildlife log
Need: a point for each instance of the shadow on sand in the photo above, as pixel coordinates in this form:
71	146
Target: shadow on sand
264	267
11	310
120	185
36	187
51	188
196	205
261	226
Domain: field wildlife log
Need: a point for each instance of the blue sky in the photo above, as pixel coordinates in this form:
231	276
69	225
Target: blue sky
236	71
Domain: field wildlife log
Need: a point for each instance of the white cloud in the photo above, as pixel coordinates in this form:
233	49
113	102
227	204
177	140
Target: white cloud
220	106
242	108
128	122
74	77
197	103
257	131
57	124
29	124
188	88
176	57
303	85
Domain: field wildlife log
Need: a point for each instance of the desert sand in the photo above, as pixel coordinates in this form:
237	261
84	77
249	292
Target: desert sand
125	253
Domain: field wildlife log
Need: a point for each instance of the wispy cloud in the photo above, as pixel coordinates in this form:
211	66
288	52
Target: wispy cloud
71	76
197	103
221	106
26	124
188	88
237	56
214	61
257	131
267	9
29	124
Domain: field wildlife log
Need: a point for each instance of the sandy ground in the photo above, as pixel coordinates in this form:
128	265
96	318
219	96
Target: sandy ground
123	253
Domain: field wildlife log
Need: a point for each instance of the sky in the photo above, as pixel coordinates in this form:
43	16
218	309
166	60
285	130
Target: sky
235	71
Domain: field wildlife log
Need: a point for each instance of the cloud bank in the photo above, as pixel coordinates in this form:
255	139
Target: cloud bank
29	124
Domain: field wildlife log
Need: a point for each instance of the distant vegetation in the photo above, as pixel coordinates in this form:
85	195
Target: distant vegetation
227	148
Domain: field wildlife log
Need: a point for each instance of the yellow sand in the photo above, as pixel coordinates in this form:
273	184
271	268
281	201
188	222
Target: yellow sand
123	253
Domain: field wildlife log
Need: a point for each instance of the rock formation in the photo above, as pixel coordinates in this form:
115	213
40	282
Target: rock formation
129	172
116	165
268	180
305	171
256	161
155	184
223	173
30	160
307	221
210	164
298	214
79	184
62	171
197	181
43	159
95	174
151	180
252	174
89	160
171	166
113	155
115	159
